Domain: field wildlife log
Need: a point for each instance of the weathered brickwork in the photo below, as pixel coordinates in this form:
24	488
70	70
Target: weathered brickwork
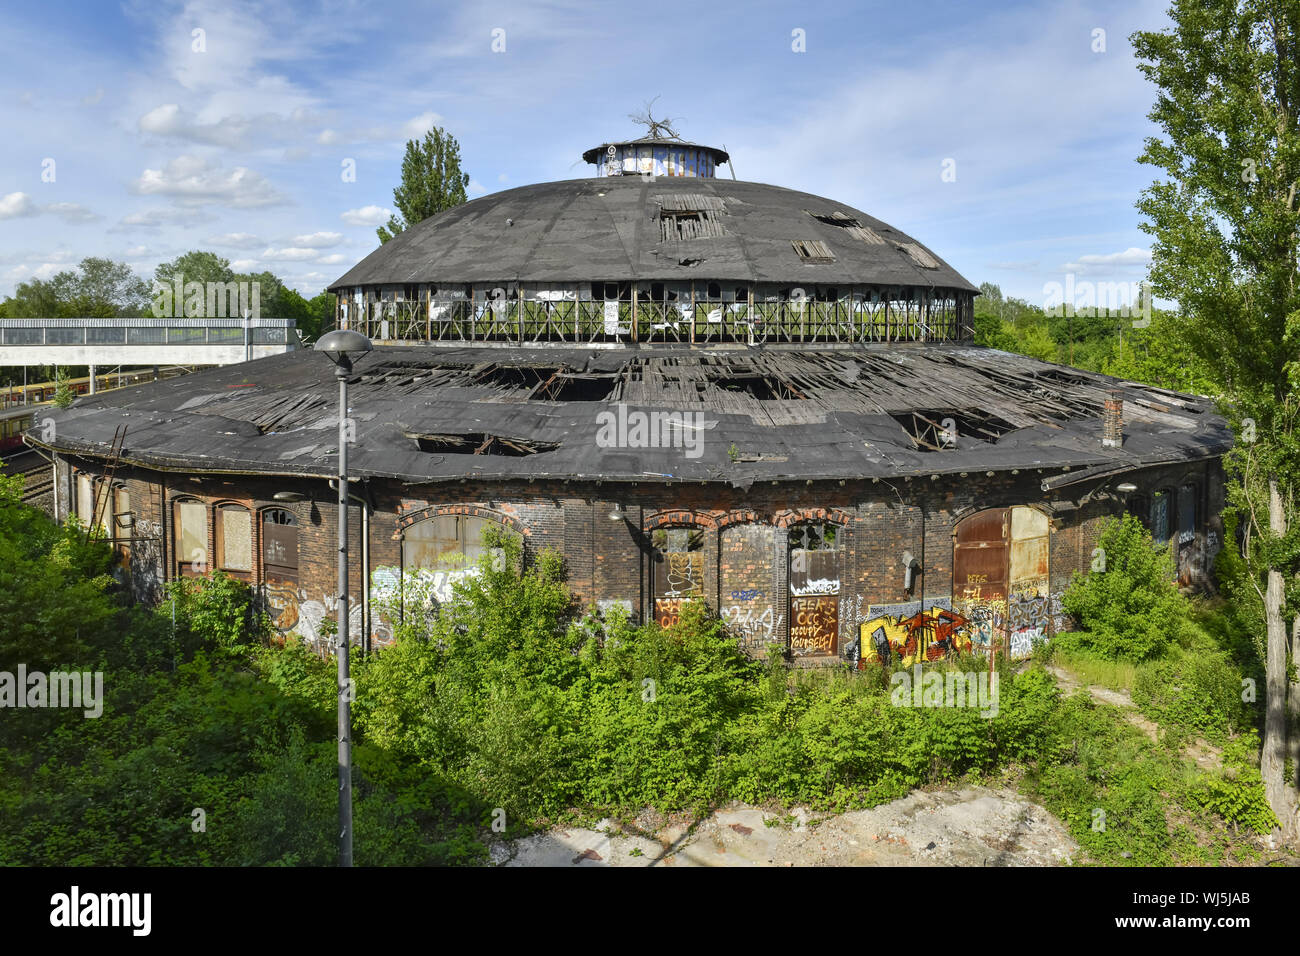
605	534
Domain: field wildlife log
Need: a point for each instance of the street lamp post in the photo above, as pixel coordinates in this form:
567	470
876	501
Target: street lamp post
340	346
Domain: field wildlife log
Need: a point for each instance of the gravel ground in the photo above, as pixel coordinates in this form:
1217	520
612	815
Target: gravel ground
970	827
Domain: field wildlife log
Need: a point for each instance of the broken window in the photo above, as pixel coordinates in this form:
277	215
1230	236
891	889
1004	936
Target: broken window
280	547
812	250
678	570
1160	516
1186	513
445	542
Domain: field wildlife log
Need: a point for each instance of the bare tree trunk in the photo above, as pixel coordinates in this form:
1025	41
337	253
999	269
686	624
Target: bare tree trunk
1293	738
1281	796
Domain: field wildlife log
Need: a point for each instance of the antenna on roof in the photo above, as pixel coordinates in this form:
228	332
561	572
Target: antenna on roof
655	129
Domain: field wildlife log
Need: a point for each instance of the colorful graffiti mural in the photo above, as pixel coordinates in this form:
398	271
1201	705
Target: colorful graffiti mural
928	635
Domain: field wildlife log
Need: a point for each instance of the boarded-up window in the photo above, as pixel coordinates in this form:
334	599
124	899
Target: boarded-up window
678	570
191	536
235	539
816	550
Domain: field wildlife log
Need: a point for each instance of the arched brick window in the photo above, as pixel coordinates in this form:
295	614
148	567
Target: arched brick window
678	570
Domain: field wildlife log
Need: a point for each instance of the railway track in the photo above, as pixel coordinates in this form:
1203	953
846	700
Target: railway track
35	471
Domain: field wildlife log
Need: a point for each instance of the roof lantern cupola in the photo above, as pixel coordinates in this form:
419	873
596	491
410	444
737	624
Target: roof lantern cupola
660	152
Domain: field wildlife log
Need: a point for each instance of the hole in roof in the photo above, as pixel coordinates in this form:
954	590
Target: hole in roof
765	388
515	376
851	226
812	250
570	388
946	429
481	443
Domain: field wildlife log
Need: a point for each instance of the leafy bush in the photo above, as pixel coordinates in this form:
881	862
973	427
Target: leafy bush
1237	792
1132	610
1193	692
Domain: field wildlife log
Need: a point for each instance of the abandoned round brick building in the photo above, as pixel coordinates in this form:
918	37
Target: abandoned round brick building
689	387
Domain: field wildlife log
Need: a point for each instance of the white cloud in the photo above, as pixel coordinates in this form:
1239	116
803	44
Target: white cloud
192	180
71	212
94	98
328	137
243	265
475	188
235	240
1128	259
319	240
289	254
14	205
417	126
19	204
332	259
137	250
154	218
366	216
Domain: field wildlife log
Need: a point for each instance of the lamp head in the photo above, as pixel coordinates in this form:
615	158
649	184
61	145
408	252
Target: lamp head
342	345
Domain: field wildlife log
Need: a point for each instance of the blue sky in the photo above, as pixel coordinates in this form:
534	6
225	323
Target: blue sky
238	148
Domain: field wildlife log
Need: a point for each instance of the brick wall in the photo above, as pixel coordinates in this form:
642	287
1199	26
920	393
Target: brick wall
604	532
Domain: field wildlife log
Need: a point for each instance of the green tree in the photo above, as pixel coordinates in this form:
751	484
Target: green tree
431	181
97	288
1224	221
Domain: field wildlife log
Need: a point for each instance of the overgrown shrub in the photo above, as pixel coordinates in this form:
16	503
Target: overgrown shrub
1131	610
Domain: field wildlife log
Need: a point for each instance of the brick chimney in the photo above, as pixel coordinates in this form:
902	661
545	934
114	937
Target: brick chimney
1112	425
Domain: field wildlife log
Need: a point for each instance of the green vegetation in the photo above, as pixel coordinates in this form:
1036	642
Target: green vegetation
216	745
1221	213
1129	607
432	181
1098	343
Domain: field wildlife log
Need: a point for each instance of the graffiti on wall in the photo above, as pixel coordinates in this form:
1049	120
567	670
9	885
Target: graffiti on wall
146	560
755	627
293	612
928	635
814	625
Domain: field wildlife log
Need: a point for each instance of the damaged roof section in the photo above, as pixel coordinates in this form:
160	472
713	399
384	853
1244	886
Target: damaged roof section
428	413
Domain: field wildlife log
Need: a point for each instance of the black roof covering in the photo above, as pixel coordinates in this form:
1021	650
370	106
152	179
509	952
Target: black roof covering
427	413
607	229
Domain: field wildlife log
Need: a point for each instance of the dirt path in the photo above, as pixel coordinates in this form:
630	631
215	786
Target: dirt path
1202	752
975	826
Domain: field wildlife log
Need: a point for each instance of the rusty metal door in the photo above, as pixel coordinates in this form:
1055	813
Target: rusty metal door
979	574
1000	578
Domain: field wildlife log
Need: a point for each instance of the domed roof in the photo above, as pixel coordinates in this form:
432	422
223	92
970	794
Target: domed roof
625	228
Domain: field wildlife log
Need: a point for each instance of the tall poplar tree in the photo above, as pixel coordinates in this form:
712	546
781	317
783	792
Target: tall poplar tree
1224	217
432	181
